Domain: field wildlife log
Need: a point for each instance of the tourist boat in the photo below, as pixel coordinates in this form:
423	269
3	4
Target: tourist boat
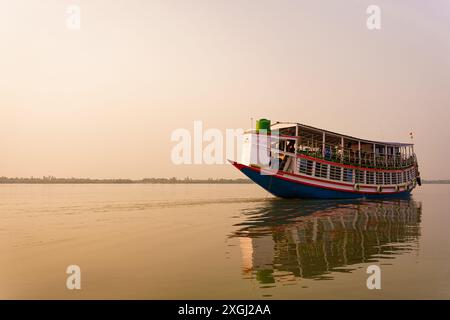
293	160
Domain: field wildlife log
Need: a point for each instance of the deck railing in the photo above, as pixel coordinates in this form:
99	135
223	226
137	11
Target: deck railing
357	175
335	153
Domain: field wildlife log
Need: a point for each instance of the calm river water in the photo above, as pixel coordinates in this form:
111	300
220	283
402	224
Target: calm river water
219	241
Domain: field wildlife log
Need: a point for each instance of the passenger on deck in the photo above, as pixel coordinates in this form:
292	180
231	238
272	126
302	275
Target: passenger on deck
290	147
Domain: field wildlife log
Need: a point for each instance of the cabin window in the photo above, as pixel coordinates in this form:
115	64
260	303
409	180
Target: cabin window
305	166
404	177
359	178
399	177
321	170
335	173
379	177
387	178
394	178
348	175
370	177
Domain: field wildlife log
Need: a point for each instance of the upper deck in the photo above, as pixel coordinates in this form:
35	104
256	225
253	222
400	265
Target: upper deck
290	127
327	145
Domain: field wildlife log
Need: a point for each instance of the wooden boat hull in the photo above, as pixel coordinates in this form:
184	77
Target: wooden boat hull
285	185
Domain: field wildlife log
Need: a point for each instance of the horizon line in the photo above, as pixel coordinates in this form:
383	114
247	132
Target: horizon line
160	180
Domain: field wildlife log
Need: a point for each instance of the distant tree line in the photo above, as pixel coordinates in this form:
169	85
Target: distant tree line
436	181
173	180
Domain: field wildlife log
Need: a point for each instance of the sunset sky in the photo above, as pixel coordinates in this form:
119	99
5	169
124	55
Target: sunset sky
102	101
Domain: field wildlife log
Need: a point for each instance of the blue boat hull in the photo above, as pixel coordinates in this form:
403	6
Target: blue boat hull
287	189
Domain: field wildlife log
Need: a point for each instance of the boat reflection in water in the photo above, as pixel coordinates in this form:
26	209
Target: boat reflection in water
287	240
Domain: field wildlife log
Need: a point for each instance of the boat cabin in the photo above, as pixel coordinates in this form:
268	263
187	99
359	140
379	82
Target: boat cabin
303	150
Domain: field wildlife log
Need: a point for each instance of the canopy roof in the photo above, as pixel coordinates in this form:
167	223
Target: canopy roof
396	144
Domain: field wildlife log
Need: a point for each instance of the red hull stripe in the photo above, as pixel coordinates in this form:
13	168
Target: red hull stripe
242	166
323	180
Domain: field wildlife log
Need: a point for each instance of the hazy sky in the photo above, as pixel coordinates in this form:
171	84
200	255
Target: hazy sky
102	101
